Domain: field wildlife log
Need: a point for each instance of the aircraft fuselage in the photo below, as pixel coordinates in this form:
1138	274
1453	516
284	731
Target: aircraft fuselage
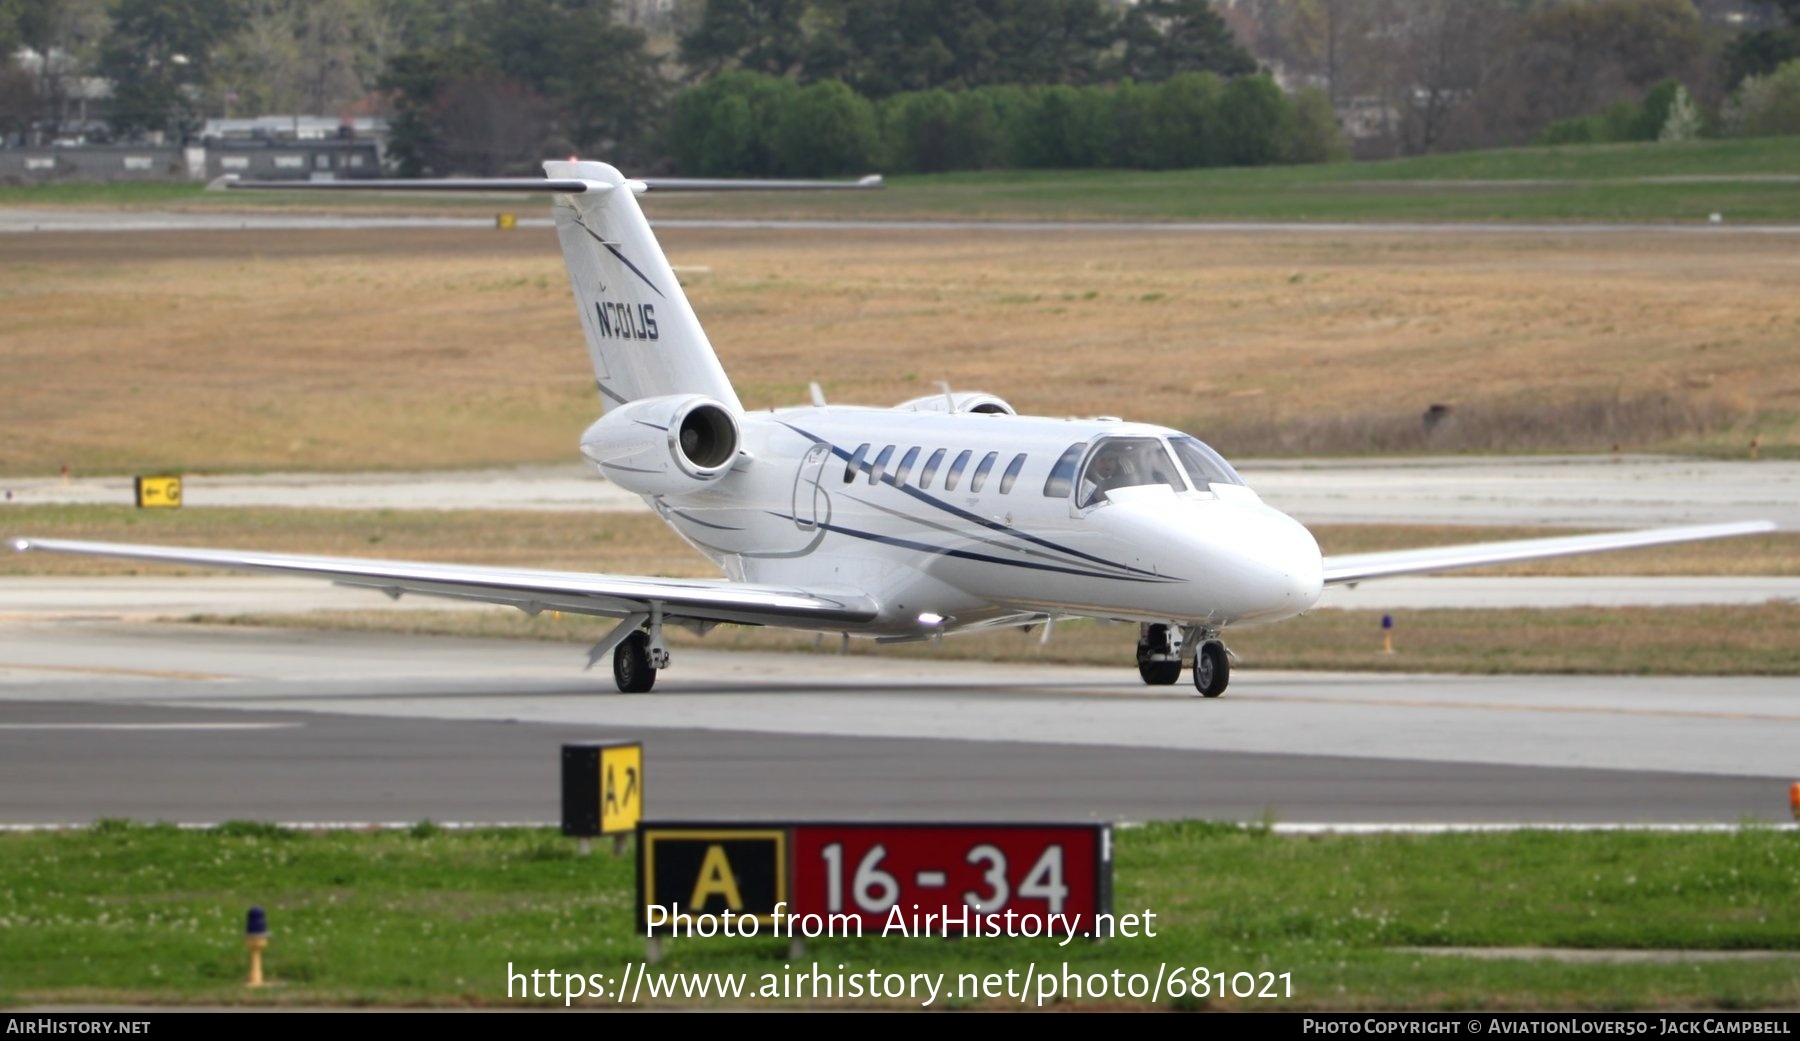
953	521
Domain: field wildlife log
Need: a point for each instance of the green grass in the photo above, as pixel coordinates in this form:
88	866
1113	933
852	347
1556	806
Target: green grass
87	193
1566	183
141	914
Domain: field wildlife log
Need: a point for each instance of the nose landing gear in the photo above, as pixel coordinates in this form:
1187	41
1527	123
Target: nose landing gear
1159	656
1212	669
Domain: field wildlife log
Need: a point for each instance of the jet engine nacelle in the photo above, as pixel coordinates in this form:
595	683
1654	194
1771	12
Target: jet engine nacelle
665	445
964	401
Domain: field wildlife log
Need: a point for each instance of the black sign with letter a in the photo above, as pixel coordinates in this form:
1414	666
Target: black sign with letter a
706	869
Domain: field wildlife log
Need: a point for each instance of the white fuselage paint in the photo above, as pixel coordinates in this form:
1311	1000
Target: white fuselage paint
793	511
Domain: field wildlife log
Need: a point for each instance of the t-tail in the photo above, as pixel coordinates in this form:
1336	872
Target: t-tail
642	335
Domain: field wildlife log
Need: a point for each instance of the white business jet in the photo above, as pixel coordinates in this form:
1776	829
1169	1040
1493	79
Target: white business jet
942	515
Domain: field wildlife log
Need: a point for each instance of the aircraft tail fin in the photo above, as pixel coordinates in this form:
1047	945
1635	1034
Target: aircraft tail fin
642	335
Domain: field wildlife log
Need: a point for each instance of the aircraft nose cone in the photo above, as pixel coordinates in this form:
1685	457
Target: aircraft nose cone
1294	554
1285	556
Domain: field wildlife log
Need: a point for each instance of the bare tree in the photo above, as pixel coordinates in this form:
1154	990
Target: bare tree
486	124
66	35
1561	61
1442	51
260	63
329	43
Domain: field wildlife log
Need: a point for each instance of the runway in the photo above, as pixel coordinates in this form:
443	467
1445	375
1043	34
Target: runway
193	723
1601	491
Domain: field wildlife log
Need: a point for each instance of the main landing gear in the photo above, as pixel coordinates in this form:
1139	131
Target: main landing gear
634	665
637	651
1160	652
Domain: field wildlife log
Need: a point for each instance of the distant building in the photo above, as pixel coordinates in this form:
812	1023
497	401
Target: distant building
284	148
268	148
294	128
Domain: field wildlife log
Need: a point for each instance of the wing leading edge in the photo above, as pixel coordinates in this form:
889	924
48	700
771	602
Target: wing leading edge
1357	567
530	590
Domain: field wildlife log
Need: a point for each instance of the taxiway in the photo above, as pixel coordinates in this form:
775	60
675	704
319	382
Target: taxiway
201	723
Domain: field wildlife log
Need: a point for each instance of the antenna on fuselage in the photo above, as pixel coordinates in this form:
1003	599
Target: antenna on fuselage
818	394
949	398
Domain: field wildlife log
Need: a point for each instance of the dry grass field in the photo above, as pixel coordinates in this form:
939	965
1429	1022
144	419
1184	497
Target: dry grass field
387	349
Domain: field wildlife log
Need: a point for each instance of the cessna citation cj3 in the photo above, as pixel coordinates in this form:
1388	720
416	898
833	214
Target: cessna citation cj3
941	515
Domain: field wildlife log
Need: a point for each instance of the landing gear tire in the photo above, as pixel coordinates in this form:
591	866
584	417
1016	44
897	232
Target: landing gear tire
632	670
1159	673
1159	654
1212	669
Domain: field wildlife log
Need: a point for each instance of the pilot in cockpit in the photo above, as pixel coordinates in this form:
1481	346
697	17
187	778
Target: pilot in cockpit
1108	470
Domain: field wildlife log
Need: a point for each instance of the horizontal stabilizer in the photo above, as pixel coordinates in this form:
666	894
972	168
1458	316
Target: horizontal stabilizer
549	186
533	185
701	184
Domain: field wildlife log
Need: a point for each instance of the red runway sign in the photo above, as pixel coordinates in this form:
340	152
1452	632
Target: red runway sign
971	879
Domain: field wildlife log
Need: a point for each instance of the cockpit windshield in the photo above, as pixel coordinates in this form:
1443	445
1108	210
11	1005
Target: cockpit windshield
1125	462
1203	465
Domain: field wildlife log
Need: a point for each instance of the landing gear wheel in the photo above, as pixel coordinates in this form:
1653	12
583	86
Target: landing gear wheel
1159	673
1212	669
1159	654
632	670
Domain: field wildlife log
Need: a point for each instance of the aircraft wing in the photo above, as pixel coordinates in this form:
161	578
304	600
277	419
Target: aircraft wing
1358	567
529	590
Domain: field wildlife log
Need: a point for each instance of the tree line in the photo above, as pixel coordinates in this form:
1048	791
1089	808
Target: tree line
1419	76
753	124
489	86
799	86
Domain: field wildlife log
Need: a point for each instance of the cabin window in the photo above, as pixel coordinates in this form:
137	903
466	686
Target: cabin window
931	468
1062	475
906	465
1012	473
981	472
880	466
956	470
855	463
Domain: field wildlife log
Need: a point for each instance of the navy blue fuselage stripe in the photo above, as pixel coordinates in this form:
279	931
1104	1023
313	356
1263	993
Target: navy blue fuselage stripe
634	268
691	519
994	542
983	521
622	259
894	540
